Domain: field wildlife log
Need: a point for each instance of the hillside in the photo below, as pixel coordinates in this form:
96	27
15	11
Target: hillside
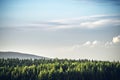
19	55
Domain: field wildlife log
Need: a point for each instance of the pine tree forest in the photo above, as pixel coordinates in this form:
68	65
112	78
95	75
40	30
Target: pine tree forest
58	69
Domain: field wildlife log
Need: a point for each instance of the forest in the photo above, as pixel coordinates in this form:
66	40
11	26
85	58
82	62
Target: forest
58	69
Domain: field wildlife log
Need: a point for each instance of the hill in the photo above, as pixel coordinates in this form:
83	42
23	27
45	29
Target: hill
20	55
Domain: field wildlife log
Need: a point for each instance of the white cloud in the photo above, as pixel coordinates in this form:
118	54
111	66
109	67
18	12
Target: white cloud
90	22
96	43
100	23
116	39
92	43
108	44
88	43
94	24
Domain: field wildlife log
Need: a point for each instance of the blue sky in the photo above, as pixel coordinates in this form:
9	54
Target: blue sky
61	28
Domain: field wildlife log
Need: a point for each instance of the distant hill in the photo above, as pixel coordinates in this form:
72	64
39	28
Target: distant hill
20	55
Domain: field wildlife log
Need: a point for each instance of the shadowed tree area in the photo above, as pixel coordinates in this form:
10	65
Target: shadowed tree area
58	69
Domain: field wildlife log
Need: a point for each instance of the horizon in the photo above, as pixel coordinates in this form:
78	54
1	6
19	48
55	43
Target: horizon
47	57
56	57
72	29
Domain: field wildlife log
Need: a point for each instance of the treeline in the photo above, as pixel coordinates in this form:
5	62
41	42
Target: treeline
28	69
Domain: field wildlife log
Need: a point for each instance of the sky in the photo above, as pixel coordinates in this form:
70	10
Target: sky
72	29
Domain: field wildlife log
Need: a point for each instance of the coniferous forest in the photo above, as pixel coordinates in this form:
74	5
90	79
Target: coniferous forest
58	69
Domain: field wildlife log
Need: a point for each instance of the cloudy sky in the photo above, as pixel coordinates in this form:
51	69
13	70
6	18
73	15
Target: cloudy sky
73	29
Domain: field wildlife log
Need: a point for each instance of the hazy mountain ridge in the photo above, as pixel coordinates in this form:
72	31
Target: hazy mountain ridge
20	55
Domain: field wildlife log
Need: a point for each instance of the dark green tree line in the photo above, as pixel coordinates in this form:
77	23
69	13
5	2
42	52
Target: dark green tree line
58	69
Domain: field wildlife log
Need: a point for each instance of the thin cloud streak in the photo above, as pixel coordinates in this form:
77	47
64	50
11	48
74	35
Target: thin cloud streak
115	2
89	22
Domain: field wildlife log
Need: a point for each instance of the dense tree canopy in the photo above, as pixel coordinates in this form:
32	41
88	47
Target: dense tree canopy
28	69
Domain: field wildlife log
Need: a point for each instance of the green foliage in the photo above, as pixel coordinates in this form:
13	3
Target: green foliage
28	69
